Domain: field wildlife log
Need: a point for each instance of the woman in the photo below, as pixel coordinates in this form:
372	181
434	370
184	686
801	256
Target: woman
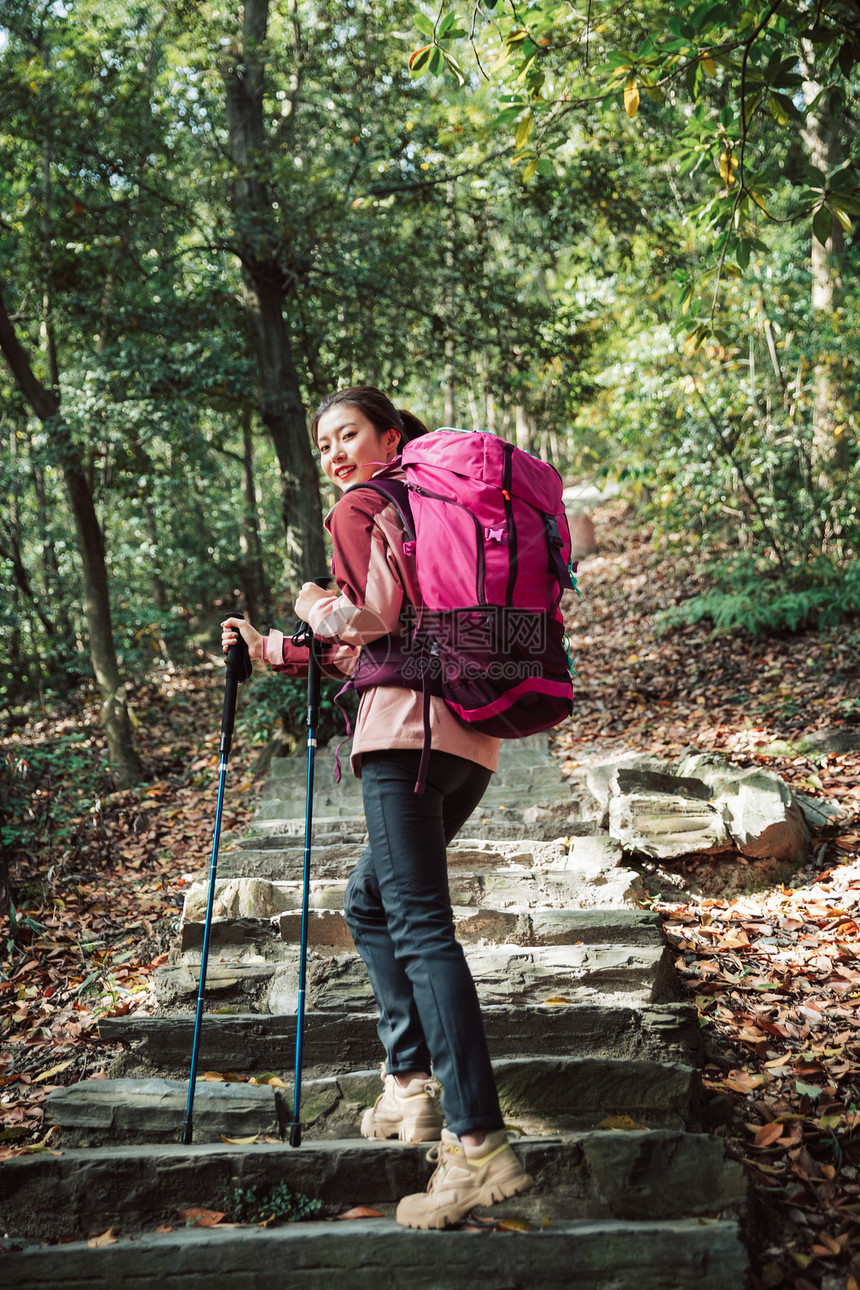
397	905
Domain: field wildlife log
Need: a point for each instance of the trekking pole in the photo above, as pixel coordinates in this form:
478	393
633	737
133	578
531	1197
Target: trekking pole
238	670
304	636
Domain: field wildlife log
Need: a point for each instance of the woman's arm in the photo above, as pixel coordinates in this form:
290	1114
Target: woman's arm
276	649
371	598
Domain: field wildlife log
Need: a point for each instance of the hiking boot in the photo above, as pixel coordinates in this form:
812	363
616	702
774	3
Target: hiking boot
409	1113
465	1177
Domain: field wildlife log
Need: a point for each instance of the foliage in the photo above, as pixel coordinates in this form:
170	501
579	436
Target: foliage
772	607
737	83
279	1205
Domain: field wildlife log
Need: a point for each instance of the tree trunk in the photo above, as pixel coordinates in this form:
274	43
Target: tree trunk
46	405
264	292
524	428
258	604
125	765
821	134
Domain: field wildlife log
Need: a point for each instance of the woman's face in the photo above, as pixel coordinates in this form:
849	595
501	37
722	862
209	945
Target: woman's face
351	448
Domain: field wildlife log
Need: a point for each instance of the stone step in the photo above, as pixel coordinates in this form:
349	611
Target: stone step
327	929
654	1174
268	981
679	1254
336	860
290	781
529	803
341	1042
495	826
509	889
537	1094
531	754
533	823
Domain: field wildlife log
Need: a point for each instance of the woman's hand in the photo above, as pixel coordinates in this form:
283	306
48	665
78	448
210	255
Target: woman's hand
232	628
308	597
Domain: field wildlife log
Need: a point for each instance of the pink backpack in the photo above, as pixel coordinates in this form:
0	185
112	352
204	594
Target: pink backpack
492	550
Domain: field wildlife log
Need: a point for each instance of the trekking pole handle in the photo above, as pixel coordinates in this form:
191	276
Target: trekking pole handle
238	669
304	636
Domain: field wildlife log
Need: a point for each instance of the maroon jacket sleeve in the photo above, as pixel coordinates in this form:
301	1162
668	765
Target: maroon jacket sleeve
283	656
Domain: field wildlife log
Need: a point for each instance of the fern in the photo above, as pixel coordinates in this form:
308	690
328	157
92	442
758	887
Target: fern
767	608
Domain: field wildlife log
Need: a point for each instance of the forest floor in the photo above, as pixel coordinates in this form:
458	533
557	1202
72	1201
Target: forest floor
96	878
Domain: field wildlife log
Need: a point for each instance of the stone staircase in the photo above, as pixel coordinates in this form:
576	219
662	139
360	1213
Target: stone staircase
596	1062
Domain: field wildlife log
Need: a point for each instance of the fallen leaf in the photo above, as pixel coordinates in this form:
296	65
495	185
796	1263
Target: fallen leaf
625	1123
360	1211
556	999
55	1070
195	1217
768	1133
106	1238
514	1224
241	1142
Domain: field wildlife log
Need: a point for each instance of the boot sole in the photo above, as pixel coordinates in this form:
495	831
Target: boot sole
491	1195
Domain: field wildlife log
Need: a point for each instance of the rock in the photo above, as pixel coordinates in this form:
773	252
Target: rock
762	816
598	781
664	826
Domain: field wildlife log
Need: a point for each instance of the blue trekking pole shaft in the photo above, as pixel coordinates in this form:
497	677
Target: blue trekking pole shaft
314	680
238	669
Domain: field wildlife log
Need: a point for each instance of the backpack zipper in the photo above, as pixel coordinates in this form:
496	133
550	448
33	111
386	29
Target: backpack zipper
513	555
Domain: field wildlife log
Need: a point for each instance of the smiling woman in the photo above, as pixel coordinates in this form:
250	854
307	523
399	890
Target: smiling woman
397	903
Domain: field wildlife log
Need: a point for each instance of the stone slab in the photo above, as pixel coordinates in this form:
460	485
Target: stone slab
494	824
539	777
593	1255
505	797
538	1095
664	825
327	929
510	888
336	861
153	1110
656	1174
509	974
346	1041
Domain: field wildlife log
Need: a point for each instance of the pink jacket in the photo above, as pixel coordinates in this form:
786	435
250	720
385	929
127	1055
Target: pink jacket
377	579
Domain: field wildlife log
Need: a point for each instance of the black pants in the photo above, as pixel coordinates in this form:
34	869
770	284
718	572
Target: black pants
398	909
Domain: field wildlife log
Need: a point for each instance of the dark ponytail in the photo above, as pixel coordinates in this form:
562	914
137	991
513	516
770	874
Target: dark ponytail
377	407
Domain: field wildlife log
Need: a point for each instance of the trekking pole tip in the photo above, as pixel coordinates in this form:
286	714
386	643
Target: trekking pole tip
295	1134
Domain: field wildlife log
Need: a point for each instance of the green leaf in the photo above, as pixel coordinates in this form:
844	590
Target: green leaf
846	58
454	65
436	62
419	60
524	129
807	1090
424	25
445	25
822	224
529	170
842	216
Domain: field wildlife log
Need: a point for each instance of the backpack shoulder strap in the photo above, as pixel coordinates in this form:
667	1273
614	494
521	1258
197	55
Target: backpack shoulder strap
397	493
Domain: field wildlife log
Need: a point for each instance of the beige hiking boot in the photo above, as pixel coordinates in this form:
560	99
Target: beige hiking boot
465	1177
409	1113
